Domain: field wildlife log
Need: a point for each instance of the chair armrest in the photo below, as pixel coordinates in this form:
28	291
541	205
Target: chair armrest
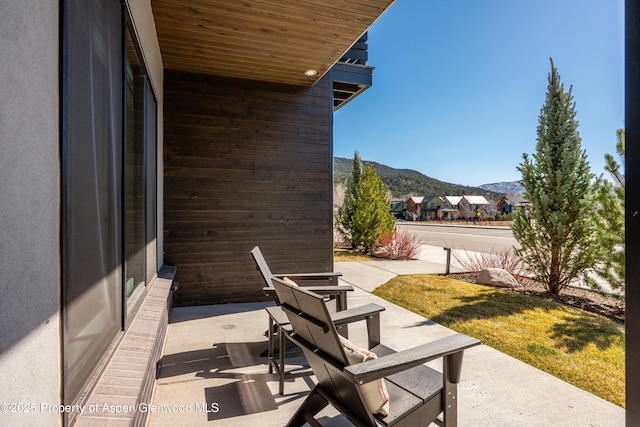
397	362
329	290
320	290
331	275
355	314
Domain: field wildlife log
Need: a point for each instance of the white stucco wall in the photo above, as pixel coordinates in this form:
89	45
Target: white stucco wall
29	211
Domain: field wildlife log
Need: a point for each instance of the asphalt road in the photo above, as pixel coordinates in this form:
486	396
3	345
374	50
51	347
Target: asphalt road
470	238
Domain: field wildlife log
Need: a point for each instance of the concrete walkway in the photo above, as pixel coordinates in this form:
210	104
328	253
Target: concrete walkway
212	372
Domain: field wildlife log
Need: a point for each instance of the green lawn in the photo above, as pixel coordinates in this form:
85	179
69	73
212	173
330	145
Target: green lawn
581	348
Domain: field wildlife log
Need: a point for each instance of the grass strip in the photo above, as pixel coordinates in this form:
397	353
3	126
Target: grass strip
579	347
341	255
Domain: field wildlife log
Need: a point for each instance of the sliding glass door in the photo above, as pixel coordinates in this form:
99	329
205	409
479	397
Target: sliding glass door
109	186
92	186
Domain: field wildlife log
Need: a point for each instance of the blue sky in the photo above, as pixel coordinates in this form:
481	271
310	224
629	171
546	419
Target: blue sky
458	84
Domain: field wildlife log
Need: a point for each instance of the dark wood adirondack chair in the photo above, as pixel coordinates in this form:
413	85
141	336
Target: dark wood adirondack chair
330	290
418	394
278	331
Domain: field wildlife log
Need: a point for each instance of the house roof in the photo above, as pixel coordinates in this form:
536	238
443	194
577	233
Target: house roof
502	201
454	200
427	199
268	40
397	205
416	199
476	200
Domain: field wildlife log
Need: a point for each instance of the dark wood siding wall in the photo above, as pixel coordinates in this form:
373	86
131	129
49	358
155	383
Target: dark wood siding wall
245	163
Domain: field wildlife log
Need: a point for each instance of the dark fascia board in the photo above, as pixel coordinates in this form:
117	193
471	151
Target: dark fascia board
359	75
352	73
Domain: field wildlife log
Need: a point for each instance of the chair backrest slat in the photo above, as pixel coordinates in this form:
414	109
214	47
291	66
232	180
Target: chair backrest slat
262	266
314	329
310	318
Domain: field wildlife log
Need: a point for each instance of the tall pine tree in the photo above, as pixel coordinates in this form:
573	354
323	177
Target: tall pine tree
557	237
364	217
371	216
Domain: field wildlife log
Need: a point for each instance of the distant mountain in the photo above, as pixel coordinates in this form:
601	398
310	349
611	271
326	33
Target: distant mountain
404	182
513	187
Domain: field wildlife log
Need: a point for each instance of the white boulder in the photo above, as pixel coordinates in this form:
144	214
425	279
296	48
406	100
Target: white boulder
496	277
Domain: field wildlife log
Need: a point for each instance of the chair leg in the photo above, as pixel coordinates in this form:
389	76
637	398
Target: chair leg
341	302
450	376
282	350
373	329
313	404
450	414
271	346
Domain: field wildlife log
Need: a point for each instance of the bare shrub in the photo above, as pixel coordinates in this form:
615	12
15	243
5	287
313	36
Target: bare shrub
399	245
505	259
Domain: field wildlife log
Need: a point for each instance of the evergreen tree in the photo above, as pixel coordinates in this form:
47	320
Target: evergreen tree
345	211
557	239
611	220
371	216
364	216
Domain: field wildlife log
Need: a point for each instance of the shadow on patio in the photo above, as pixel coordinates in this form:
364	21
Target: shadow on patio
212	370
212	373
242	390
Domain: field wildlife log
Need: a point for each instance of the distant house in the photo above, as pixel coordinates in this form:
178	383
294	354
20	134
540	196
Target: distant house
439	208
508	205
452	202
398	208
504	207
468	205
449	209
414	208
430	207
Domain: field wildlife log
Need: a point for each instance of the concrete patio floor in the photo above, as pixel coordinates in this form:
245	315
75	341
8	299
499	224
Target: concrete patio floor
212	372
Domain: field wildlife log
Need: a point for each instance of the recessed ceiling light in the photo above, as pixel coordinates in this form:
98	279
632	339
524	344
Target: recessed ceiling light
310	73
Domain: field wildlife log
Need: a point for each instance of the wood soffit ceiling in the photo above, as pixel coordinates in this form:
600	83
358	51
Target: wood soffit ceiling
268	40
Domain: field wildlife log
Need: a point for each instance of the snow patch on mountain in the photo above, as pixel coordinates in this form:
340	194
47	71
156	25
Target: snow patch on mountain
512	187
